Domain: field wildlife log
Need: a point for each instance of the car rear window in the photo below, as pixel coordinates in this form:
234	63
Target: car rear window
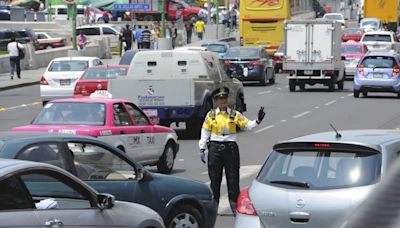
103	73
351	49
378	62
216	48
242	53
377	37
321	169
72	65
71	113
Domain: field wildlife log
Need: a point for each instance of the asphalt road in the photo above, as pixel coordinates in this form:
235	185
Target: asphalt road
288	115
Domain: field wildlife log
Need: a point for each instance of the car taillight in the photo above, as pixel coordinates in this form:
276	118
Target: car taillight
227	63
43	81
77	90
396	71
360	70
244	204
255	63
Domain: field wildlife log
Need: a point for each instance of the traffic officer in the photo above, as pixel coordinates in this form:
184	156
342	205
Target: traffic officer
218	134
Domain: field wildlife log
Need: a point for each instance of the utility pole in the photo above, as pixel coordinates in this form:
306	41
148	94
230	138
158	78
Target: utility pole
161	8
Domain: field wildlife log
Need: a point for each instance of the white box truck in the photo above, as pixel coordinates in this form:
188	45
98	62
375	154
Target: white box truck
313	54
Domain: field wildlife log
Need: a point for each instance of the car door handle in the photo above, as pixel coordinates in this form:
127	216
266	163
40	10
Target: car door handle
122	132
53	223
299	217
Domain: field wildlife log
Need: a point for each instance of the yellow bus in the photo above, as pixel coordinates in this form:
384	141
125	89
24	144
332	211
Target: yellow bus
261	21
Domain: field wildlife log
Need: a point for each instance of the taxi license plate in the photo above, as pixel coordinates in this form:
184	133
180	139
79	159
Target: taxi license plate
245	71
151	112
378	75
308	72
65	82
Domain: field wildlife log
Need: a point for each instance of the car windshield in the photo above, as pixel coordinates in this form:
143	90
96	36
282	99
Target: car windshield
103	73
71	113
378	62
350	49
216	48
377	37
242	53
69	65
352	32
333	17
321	169
126	58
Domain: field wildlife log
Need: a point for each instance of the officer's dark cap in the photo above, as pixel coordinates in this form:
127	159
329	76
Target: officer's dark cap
222	92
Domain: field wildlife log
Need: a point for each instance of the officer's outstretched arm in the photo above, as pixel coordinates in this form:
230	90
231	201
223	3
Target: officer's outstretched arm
205	135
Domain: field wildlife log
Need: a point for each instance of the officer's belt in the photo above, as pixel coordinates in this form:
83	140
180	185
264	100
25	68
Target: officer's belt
222	145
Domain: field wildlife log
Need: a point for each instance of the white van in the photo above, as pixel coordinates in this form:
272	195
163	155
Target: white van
60	12
176	86
99	31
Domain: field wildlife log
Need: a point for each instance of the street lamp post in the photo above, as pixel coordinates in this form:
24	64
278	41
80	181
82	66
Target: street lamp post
72	11
161	7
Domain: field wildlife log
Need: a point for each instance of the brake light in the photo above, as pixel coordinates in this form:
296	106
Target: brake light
396	71
227	63
322	145
255	63
360	70
244	204
43	81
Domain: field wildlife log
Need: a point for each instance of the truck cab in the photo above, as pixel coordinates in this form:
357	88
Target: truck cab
188	12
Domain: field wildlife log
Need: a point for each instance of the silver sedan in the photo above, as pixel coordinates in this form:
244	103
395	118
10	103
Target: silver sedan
41	195
317	180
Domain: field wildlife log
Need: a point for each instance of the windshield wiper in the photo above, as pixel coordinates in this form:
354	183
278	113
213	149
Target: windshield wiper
302	184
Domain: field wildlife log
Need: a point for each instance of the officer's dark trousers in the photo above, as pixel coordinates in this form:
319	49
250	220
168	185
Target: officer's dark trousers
224	156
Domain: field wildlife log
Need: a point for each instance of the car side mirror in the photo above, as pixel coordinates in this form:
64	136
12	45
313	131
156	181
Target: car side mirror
105	201
142	174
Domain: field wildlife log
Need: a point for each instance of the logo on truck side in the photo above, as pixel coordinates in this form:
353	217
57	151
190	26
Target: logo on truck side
150	90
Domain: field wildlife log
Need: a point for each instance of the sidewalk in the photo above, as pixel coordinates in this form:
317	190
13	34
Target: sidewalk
32	77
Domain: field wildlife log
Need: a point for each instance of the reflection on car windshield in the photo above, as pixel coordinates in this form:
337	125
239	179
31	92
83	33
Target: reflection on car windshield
351	49
68	113
216	48
377	37
321	169
104	73
369	23
72	65
242	53
378	62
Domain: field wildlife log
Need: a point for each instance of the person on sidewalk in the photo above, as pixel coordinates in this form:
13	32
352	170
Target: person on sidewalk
146	37
128	38
82	40
138	37
155	32
218	135
14	48
233	17
189	29
200	28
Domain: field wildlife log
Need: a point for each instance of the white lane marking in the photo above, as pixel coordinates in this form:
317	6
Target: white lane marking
301	114
245	171
264	92
330	102
181	160
316	107
283	121
342	97
3	109
204	173
264	128
350	94
279	88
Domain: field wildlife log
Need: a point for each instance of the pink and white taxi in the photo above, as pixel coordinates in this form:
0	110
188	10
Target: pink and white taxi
118	122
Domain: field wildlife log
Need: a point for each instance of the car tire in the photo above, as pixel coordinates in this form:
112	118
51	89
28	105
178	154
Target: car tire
272	80
49	47
185	216
398	95
263	81
302	86
167	159
365	94
340	85
292	85
356	93
331	86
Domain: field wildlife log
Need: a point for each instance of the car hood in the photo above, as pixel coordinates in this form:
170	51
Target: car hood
68	129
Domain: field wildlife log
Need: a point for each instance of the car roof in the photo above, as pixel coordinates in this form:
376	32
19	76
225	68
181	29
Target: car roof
89	100
372	138
9	136
74	58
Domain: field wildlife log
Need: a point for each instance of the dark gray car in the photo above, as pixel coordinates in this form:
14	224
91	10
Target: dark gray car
41	195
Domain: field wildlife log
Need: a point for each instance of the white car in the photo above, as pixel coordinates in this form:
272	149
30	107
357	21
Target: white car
99	31
335	17
61	76
60	12
380	40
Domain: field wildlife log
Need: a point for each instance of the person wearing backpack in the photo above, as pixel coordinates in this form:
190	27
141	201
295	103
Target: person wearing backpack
16	52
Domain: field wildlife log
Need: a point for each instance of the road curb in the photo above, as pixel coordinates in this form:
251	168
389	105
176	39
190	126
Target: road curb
18	85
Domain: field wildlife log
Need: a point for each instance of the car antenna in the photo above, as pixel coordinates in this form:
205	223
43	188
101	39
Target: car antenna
338	135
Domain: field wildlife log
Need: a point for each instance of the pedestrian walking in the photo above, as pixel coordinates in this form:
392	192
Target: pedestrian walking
155	32
122	43
92	16
82	40
138	37
233	16
146	37
200	28
41	6
173	31
128	38
86	13
218	135
189	30
221	17
16	52
106	17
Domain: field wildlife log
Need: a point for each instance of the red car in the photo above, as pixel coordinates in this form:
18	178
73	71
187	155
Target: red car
96	78
352	34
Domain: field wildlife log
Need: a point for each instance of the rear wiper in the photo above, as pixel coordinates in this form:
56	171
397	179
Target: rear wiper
302	184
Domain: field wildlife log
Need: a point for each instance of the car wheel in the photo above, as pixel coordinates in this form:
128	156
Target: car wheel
340	85
49	47
167	159
263	81
398	95
185	216
356	93
272	80
365	94
292	85
302	86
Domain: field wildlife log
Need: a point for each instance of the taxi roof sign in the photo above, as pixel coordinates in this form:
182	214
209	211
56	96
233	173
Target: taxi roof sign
101	94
